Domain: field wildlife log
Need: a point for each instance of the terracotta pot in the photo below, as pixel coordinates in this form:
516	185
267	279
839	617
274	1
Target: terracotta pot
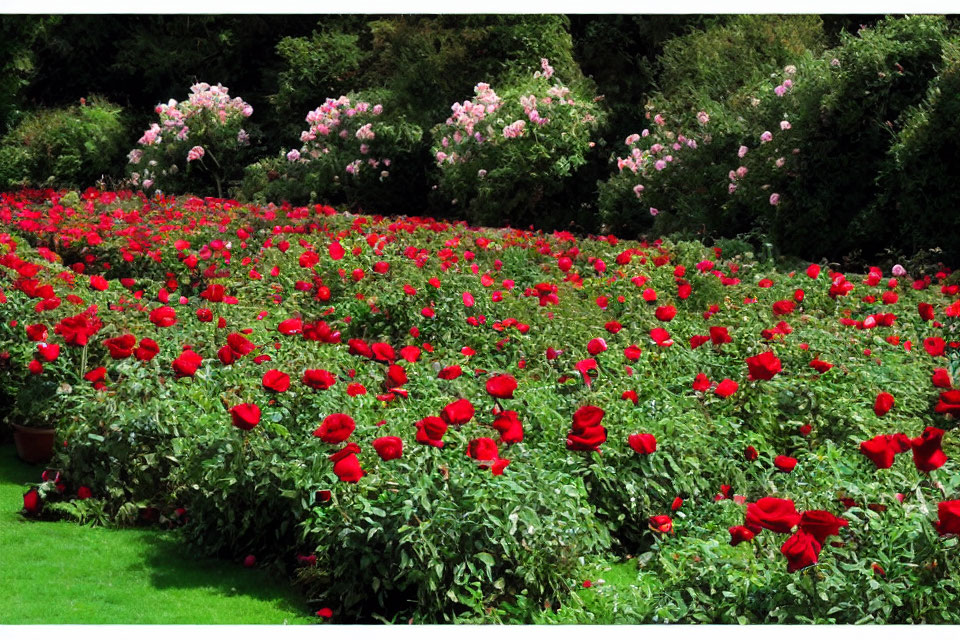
34	445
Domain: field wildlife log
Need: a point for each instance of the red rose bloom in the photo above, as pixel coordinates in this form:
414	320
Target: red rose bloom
335	428
121	347
949	514
459	412
431	430
290	327
84	493
147	350
665	313
509	426
802	550
663	524
776	514
643	443
740	534
726	388
346	465
450	373
941	378
763	366
163	317
927	454
276	380
883	404
785	463
318	379
484	449
396	375
388	447
245	416
31	501
502	386
949	403
187	363
821	524
587	434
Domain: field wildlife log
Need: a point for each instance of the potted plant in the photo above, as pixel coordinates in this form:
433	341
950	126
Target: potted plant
32	416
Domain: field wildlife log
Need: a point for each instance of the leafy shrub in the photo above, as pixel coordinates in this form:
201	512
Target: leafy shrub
352	154
197	141
508	158
65	147
918	210
793	156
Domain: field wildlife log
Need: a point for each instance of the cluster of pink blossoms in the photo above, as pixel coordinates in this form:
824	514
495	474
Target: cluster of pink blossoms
332	121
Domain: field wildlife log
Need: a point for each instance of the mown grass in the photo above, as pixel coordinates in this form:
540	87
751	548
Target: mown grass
64	573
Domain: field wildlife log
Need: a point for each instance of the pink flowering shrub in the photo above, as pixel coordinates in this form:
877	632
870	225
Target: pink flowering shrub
198	144
503	156
348	155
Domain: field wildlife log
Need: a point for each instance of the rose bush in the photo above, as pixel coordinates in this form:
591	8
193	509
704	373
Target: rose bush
456	423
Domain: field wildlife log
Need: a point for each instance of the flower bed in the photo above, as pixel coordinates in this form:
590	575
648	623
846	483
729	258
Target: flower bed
421	418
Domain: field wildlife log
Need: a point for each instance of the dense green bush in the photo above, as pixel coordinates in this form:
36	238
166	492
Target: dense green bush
68	147
918	210
793	155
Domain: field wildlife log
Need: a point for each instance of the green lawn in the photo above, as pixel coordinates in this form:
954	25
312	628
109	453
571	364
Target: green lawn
63	573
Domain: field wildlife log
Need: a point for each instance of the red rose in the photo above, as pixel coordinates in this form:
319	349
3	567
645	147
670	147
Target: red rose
820	365
37	332
502	386
596	346
785	463
642	443
740	534
388	447
783	307
276	380
396	375
121	347
509	426
587	434
883	404
632	353
925	309
459	412
450	373
776	514
335	428
31	501
147	350
726	388
346	465
430	431
813	271
84	493
661	336
383	352
821	524
49	352
935	346
318	379
163	317
802	550
663	524
587	416
720	335
881	450
927	454
750	453
665	313
290	327
763	366
949	403
701	382
484	449
941	378
949	514
245	416
187	363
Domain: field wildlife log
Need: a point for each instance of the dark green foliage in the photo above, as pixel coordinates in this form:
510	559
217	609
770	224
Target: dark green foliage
73	146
